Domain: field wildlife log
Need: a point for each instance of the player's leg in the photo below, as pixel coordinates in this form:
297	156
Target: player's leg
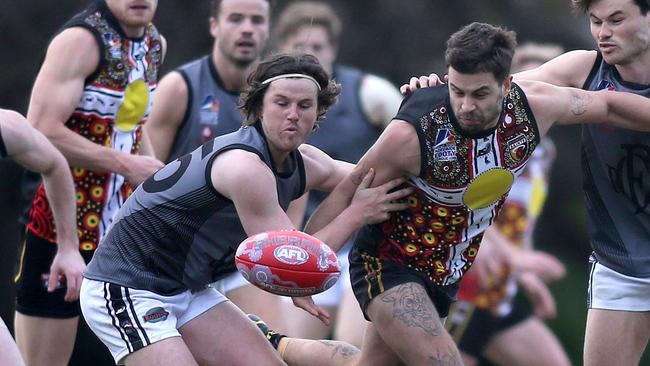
350	323
528	343
45	341
305	325
9	354
308	352
618	321
251	299
45	324
167	352
470	328
614	337
408	322
224	335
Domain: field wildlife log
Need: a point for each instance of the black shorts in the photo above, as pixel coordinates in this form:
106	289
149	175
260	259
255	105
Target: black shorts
370	276
472	328
32	298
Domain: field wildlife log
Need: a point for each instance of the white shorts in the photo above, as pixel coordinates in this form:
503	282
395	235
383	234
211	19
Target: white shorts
127	320
231	282
610	290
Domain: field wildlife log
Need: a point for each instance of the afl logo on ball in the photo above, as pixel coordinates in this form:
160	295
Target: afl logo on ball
290	254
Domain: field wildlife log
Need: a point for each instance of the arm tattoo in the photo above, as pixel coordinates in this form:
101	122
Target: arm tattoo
450	358
345	350
579	103
412	306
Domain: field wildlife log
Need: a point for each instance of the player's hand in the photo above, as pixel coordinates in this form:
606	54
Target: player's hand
68	264
539	295
423	81
545	266
377	203
493	257
140	167
307	304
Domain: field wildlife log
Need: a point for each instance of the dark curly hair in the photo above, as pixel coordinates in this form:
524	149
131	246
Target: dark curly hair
481	47
584	5
250	100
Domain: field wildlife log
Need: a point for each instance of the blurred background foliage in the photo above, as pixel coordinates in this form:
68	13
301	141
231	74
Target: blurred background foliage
395	39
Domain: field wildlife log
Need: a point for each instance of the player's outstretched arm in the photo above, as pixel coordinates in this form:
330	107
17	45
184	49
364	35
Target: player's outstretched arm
552	104
569	69
395	155
29	148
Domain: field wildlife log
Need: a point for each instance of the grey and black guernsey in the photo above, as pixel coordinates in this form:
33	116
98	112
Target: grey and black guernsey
3	148
616	179
158	242
211	109
346	133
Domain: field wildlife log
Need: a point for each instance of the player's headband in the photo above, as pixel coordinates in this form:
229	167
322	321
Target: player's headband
285	76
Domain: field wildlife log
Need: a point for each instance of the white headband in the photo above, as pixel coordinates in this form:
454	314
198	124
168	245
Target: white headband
284	76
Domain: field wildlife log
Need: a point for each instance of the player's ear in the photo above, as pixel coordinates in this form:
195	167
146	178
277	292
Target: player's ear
214	27
507	84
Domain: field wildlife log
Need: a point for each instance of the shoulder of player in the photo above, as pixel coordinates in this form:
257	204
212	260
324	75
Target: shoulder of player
240	170
173	85
397	136
76	47
425	99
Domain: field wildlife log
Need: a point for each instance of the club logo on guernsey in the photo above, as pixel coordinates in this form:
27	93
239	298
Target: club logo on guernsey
445	148
290	254
209	113
156	315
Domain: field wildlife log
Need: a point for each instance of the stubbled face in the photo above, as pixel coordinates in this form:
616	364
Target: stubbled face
476	99
313	40
620	30
133	15
289	112
241	30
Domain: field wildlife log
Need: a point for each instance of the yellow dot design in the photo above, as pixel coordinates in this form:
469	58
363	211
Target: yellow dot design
487	188
134	106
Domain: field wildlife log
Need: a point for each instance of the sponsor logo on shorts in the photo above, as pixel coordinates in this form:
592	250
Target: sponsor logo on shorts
290	254
156	315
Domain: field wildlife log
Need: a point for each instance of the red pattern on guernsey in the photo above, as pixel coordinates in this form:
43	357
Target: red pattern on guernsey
91	186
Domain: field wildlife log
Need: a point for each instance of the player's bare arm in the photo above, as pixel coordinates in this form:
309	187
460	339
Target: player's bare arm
29	148
169	108
569	69
251	185
57	90
322	172
396	154
553	104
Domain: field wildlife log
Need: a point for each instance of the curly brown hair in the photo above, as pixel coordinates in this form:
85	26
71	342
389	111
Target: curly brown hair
250	100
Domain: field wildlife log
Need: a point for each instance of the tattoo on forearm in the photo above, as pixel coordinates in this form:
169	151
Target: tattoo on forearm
412	306
449	358
345	350
579	103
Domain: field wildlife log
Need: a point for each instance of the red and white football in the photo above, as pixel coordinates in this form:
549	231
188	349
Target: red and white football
288	263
